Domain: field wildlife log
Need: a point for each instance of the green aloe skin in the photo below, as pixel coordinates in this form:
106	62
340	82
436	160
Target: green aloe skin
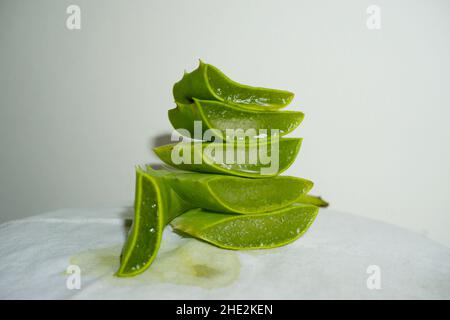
309	199
219	201
220	117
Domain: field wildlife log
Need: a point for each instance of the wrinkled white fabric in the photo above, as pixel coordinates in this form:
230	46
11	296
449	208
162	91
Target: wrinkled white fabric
330	262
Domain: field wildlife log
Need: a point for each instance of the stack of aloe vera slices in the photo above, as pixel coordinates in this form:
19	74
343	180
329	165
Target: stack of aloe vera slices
232	206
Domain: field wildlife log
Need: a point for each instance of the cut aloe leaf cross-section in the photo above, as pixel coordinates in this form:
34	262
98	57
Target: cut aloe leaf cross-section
223	193
263	158
225	119
209	83
240	232
155	206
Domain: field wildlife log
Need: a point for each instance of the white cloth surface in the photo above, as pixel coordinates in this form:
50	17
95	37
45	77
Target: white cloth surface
329	262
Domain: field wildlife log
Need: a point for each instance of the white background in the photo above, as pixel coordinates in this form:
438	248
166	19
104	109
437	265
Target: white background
78	109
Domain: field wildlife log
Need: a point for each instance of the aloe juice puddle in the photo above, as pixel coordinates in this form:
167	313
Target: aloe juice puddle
191	263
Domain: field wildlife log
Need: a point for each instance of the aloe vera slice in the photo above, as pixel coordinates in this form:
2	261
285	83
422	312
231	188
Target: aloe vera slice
260	231
155	206
210	162
224	193
221	117
209	83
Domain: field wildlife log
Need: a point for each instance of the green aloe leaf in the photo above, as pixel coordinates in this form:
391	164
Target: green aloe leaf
155	206
209	83
223	193
224	118
240	232
205	157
